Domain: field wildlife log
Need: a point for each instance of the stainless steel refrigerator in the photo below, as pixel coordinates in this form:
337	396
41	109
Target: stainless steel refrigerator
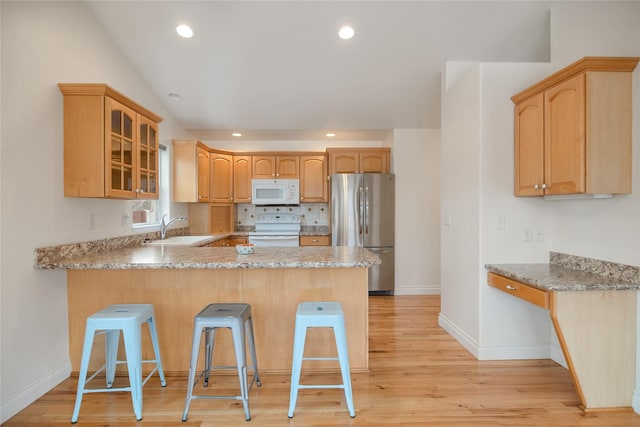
363	214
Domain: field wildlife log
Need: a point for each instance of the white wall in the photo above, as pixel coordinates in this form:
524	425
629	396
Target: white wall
613	225
416	162
477	132
460	207
44	43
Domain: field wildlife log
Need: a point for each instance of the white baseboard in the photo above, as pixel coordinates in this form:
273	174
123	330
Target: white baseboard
33	392
635	401
459	335
493	353
516	352
416	290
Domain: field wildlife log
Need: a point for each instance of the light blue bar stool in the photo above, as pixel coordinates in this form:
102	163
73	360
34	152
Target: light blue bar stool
110	321
320	315
234	316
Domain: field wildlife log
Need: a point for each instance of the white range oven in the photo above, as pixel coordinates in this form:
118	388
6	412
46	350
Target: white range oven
276	229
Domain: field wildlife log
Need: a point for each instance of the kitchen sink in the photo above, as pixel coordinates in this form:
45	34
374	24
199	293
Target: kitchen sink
181	241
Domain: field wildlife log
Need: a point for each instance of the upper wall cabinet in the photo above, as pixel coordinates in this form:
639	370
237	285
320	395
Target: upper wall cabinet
359	160
314	186
110	144
573	130
242	179
280	167
190	171
221	176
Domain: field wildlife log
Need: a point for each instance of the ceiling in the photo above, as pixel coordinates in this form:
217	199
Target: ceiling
277	70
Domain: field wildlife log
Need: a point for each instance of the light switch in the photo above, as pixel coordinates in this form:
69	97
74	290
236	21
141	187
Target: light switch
500	222
527	234
447	218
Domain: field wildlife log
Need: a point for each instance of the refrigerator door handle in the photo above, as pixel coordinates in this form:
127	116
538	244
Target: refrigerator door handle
366	210
360	210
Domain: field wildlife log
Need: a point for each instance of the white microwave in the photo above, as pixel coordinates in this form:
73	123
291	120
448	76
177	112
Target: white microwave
275	191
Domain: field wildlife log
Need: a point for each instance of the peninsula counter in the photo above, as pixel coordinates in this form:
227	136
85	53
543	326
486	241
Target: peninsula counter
179	281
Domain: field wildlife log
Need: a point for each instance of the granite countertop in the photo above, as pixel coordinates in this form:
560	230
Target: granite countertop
186	257
572	273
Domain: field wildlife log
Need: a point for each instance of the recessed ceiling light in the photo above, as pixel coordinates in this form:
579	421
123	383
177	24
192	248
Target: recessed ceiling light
175	96
184	31
236	134
346	33
331	134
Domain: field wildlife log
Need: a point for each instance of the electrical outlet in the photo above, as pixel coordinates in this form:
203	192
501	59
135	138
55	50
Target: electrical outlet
125	219
527	234
447	218
91	221
538	234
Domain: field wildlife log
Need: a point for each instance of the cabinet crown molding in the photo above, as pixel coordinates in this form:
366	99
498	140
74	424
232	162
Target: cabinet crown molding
588	63
101	89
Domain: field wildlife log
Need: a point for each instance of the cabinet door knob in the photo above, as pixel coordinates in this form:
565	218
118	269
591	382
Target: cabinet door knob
536	186
545	186
511	288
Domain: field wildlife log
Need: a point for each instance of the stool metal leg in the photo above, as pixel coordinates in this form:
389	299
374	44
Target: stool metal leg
111	344
343	356
84	367
133	348
208	352
156	350
300	334
193	367
252	349
241	361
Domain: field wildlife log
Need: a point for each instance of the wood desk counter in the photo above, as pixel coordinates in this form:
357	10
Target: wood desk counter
181	281
594	316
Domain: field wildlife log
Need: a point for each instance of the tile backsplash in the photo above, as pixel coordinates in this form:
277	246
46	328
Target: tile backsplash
311	214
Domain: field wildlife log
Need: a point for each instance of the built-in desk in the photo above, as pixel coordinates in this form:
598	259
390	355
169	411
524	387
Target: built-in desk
594	316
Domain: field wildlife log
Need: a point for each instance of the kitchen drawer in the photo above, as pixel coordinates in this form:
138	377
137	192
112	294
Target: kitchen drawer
519	290
315	240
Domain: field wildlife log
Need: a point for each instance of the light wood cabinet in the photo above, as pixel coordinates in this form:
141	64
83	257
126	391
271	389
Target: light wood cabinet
314	183
191	171
315	240
221	177
203	183
209	218
275	166
229	242
110	144
573	130
359	160
242	179
519	290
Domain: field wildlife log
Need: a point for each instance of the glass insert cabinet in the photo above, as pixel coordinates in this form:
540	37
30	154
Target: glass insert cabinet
110	144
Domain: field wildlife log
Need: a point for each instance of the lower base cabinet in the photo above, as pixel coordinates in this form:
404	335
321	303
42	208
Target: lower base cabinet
315	240
228	242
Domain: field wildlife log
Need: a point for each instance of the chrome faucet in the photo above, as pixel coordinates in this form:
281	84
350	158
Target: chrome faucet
164	225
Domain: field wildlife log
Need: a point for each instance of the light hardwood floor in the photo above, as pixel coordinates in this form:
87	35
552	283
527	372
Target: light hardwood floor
420	376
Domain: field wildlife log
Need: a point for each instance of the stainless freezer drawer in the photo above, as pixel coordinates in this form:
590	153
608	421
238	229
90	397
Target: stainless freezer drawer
381	277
